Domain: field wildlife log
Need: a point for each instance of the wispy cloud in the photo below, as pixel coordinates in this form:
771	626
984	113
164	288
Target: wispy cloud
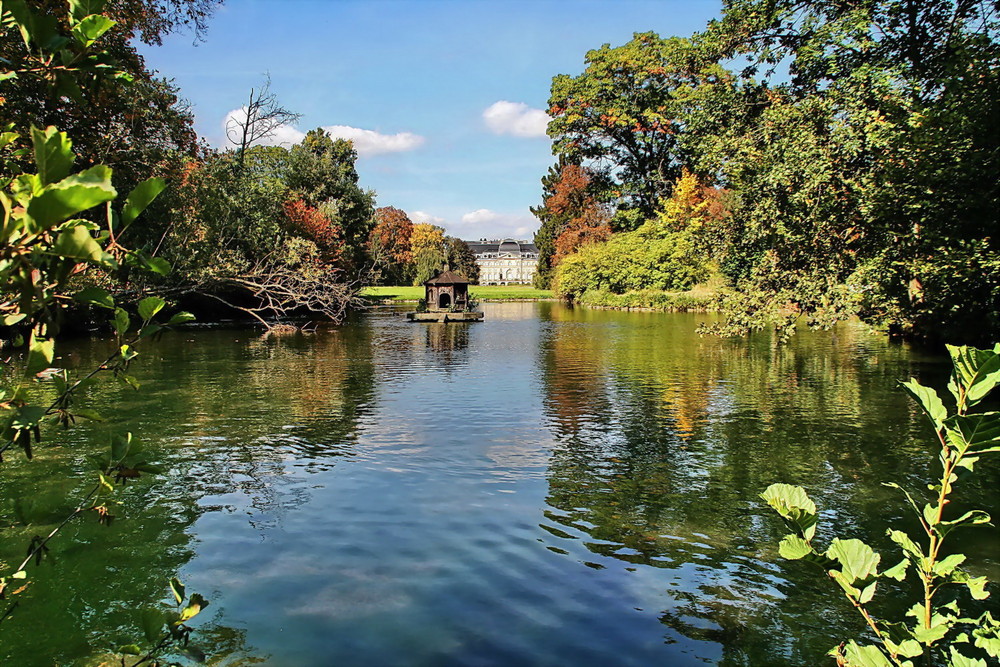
420	217
366	142
516	119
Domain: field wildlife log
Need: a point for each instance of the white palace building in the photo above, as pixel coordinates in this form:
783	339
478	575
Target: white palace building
505	262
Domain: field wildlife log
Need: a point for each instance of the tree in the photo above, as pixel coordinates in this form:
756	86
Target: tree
571	217
389	245
624	117
461	259
867	182
258	120
115	111
670	252
429	253
321	171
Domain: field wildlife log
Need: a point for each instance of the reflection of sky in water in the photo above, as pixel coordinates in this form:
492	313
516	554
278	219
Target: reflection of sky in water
549	487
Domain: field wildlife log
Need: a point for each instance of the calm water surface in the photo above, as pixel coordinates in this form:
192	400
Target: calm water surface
552	487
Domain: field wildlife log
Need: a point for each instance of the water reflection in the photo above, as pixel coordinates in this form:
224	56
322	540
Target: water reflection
665	440
551	486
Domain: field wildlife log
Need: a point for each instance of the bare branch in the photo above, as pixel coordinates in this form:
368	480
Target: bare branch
259	120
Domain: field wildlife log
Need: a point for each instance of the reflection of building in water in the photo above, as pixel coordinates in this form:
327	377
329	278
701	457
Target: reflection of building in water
506	262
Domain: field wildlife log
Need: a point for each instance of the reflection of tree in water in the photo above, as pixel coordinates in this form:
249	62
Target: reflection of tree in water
227	417
664	441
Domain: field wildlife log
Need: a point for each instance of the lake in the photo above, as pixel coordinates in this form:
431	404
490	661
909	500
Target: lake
553	486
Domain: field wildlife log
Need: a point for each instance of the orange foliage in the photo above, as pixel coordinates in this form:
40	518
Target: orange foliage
586	220
390	237
318	228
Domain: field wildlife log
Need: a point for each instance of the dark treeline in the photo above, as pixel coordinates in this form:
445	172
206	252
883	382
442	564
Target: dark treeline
847	158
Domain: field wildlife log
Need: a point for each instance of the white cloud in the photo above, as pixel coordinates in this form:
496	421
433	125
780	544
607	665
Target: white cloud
366	142
515	118
370	142
480	216
420	217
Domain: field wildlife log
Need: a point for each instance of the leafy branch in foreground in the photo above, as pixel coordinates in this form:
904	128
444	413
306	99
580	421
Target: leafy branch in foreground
50	247
933	632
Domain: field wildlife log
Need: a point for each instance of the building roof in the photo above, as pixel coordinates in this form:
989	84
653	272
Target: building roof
505	245
448	277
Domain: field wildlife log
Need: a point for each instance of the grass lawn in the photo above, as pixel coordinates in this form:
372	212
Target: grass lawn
480	292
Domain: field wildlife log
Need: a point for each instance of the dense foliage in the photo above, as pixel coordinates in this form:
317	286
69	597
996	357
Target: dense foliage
859	146
666	253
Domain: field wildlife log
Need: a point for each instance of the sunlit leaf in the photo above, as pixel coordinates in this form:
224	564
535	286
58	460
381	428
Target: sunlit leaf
53	154
858	560
140	198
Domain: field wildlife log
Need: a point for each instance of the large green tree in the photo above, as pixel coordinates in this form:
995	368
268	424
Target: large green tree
321	171
867	177
624	117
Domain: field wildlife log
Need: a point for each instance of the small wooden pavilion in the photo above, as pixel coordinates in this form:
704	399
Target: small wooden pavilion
447	291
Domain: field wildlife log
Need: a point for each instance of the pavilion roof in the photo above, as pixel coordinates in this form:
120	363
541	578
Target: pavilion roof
448	277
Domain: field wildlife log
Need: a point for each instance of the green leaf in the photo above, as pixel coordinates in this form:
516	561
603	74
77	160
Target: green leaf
53	154
976	585
947	565
909	648
928	636
20	574
858	561
865	656
141	197
867	593
180	318
976	372
120	445
177	588
95	296
77	243
11	320
897	571
150	306
130	649
971	518
794	547
195	604
794	505
40	354
81	9
121	321
153	621
73	194
106	484
91	28
928	400
988	634
959	660
973	431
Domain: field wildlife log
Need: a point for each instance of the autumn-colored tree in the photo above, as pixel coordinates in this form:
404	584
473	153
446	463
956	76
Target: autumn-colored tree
582	218
389	244
626	114
311	223
429	253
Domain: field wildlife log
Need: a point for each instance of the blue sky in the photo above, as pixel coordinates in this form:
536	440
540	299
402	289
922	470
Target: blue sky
444	98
